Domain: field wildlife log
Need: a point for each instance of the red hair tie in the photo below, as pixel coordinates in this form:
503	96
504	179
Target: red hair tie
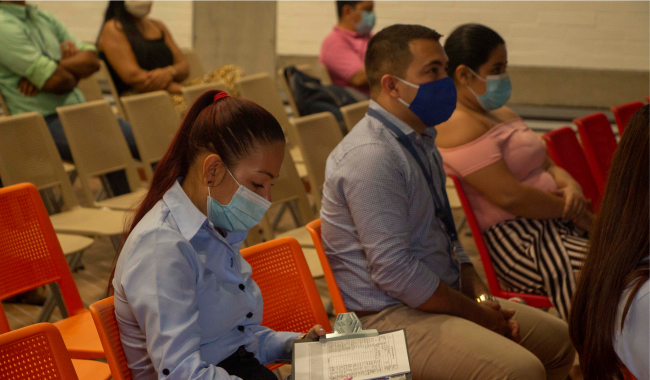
220	95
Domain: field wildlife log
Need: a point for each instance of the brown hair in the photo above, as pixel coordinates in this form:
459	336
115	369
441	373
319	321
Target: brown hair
615	259
231	127
389	52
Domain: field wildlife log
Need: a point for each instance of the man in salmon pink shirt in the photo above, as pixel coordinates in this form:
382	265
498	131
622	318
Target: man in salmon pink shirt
344	49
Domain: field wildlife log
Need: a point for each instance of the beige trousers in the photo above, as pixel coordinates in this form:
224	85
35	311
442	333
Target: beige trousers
447	347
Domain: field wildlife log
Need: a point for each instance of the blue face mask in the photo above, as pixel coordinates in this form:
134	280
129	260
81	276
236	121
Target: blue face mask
435	101
497	93
366	24
245	210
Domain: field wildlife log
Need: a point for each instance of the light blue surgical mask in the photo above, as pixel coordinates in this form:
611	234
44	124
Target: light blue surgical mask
497	93
245	210
366	24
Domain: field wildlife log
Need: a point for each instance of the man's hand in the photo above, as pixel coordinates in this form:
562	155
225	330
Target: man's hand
68	49
314	334
575	203
157	79
27	88
500	321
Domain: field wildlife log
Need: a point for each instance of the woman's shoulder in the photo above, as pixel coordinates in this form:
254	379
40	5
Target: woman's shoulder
460	129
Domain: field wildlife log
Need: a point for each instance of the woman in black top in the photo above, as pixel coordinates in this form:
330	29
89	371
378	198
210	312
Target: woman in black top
139	51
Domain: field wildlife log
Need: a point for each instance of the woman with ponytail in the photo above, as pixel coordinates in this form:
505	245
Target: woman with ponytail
186	305
609	320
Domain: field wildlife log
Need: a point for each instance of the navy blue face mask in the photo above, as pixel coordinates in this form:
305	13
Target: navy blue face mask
435	101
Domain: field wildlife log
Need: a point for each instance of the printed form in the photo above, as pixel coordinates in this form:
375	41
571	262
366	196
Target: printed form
361	358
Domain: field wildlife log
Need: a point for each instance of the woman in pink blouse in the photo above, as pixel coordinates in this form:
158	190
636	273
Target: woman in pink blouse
533	214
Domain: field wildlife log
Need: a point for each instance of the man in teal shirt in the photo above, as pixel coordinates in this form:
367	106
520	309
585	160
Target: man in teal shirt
40	66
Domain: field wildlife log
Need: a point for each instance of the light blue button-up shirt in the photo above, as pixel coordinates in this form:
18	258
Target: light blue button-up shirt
183	293
632	344
379	228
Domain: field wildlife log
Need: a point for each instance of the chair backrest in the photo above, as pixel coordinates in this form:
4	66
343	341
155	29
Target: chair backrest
623	114
103	313
564	149
291	299
90	88
599	145
353	113
28	154
486	260
287	91
3	106
318	135
332	286
193	61
154	122
190	93
261	89
35	352
104	73
289	187
97	144
30	252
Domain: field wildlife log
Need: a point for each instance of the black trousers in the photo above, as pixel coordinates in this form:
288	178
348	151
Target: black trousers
244	364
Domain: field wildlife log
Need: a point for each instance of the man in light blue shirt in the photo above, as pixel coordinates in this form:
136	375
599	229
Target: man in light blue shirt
390	239
40	66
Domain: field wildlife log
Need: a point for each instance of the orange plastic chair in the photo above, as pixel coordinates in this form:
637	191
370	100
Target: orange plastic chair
38	352
492	280
332	286
564	149
103	313
623	114
599	145
627	375
31	256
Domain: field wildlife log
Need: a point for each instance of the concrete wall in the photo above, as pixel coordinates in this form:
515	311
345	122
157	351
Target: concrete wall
236	32
585	34
84	18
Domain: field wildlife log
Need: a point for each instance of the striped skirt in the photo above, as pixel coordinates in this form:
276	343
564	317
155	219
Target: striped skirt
538	257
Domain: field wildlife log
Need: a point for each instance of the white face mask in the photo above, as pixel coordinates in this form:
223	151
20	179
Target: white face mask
138	9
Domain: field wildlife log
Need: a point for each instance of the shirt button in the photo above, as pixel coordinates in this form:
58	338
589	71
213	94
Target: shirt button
165	372
242	286
240	328
249	315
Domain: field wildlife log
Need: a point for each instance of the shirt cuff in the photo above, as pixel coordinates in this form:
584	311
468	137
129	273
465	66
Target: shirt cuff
421	290
40	71
82	46
462	255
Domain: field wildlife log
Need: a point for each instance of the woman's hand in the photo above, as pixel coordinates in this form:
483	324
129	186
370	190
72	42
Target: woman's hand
575	203
585	221
157	79
314	334
175	88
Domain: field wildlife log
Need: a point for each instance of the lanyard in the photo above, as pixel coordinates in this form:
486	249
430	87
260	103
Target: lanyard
443	210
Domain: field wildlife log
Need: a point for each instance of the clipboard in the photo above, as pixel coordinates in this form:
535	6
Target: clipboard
348	327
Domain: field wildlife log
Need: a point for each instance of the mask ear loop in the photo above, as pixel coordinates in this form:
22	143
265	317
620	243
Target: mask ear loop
408	84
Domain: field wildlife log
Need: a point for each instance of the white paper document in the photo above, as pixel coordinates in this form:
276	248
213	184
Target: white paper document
361	358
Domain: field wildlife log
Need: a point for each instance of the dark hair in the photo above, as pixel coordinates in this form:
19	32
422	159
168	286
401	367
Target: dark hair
389	53
231	127
117	11
341	4
470	45
615	258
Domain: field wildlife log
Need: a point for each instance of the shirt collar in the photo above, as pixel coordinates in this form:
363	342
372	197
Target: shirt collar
19	11
188	218
402	126
351	33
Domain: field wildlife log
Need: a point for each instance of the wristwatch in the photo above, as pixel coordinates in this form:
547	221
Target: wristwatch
486	297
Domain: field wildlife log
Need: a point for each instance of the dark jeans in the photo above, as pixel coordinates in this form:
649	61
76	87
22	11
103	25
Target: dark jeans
244	365
117	180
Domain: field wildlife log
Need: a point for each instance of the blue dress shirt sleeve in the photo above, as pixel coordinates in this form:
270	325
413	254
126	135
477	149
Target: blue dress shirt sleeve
377	191
160	285
274	345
